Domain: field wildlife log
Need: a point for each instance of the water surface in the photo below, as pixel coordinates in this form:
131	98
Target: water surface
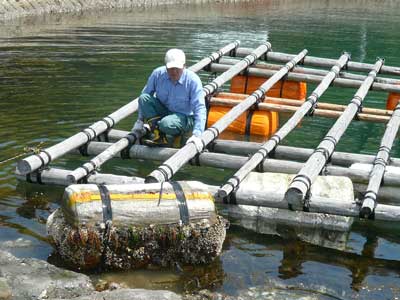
60	74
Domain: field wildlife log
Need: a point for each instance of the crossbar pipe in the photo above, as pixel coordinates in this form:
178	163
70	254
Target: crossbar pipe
321	62
243	148
302	70
310	78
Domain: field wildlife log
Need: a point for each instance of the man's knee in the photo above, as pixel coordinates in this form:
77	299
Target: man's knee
170	125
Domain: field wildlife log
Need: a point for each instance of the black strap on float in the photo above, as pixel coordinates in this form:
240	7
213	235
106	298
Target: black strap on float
246	83
195	161
314	105
230	199
248	122
182	202
359	111
211	146
104	136
131	137
38	174
163	172
49	158
38	177
260	167
41	159
324	151
250	114
214	131
264	57
83	180
346	65
88	172
106	242
372	195
380	161
232	53
307	181
277	139
208	106
282	81
106	203
245	72
233	186
214	60
28	178
359	102
307	200
109	121
83	149
160	193
86	131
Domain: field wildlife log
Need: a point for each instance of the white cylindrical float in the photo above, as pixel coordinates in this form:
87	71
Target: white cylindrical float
133	225
327	230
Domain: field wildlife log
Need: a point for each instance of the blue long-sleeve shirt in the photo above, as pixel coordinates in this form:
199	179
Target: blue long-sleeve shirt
186	96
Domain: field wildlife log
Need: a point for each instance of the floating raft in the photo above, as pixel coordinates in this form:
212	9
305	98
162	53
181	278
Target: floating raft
316	189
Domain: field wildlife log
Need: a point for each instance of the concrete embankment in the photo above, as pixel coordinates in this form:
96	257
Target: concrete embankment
11	9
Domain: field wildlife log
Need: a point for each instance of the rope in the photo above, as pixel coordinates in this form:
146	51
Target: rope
27	150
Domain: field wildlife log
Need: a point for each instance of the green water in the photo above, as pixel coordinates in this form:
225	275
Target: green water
60	74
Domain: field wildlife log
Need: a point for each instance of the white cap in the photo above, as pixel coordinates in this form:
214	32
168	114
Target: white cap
175	58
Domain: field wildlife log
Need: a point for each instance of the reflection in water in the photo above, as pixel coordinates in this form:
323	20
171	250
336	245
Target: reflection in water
291	264
179	279
298	256
60	74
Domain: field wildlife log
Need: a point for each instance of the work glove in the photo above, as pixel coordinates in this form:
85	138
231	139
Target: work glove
197	141
138	128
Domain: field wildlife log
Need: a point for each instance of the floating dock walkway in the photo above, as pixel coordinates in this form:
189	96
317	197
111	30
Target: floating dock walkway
301	182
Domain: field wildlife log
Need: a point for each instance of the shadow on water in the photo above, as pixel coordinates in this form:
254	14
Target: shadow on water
60	74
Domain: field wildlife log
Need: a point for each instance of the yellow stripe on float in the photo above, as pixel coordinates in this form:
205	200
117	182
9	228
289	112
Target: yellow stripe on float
83	197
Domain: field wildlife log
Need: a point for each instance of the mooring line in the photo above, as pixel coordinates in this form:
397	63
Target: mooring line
27	150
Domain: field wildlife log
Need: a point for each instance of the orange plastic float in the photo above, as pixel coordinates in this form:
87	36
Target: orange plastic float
252	122
283	89
392	101
256	122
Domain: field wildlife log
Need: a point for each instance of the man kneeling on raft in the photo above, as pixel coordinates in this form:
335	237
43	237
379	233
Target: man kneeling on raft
171	104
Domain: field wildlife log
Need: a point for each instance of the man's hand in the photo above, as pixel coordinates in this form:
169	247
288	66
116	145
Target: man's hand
197	141
138	128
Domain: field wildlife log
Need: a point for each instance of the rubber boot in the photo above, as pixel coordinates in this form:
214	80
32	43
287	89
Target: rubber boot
157	138
177	141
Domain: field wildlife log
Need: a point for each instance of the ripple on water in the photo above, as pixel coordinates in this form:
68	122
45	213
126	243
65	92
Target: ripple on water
61	75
